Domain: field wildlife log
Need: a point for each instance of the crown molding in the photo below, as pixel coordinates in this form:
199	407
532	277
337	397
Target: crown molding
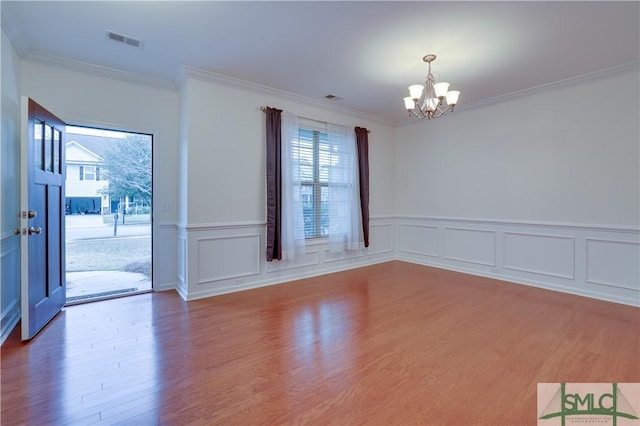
582	78
188	72
26	54
185	73
99	70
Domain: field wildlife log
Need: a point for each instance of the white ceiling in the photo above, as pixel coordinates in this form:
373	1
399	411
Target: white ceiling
364	52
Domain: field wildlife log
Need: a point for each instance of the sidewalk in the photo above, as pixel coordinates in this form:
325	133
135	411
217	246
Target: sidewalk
79	227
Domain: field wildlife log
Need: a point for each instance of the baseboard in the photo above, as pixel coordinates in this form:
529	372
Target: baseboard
276	281
530	283
10	319
165	286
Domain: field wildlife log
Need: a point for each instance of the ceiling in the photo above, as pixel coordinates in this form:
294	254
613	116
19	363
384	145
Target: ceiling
365	53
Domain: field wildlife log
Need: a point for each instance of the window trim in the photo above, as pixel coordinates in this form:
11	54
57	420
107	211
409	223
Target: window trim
94	172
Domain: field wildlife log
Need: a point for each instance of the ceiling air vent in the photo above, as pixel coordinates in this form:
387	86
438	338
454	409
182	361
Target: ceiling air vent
120	38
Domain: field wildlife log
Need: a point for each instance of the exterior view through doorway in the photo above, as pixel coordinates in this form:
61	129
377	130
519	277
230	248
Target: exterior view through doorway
108	218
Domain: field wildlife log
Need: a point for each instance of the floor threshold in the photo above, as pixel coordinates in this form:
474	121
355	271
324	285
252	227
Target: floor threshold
115	294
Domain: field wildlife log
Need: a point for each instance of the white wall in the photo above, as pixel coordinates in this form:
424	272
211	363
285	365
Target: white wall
226	145
564	155
183	159
10	188
222	136
541	189
81	98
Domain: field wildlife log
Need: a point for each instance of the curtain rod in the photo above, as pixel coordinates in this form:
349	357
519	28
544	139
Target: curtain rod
264	109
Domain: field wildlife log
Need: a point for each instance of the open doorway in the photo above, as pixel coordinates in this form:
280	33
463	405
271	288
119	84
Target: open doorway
108	213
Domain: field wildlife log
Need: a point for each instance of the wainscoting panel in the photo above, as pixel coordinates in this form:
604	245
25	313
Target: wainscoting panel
10	310
223	258
381	239
613	263
309	258
540	254
418	239
165	256
182	286
593	261
470	246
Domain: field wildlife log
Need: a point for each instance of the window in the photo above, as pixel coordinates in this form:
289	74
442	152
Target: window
312	186
311	149
326	176
89	173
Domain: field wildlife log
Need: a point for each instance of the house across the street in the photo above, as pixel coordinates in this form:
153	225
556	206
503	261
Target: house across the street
86	180
84	186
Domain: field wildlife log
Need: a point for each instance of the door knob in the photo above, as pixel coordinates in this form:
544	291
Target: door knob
33	230
31	214
17	231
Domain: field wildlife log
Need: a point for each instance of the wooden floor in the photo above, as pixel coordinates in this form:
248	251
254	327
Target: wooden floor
394	343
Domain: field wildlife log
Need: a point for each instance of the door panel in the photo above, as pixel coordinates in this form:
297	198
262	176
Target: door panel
42	245
55	248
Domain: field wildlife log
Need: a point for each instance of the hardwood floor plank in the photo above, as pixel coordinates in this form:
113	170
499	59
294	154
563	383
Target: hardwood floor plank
394	343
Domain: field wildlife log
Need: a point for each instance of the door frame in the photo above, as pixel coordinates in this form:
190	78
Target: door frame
152	136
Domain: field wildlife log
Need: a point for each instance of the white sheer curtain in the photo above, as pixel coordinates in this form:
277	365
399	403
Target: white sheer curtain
343	195
292	213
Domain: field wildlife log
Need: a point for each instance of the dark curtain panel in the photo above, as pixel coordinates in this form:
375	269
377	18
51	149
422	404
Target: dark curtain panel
274	184
362	141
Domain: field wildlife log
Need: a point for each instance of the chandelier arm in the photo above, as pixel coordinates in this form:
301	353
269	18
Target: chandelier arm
413	111
441	112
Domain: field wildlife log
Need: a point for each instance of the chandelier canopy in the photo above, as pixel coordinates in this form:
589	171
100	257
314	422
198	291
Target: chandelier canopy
427	101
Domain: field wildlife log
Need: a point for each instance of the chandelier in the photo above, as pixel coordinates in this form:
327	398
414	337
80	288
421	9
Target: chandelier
427	101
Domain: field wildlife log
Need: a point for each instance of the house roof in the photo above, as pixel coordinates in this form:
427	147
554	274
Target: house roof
93	146
97	145
76	153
